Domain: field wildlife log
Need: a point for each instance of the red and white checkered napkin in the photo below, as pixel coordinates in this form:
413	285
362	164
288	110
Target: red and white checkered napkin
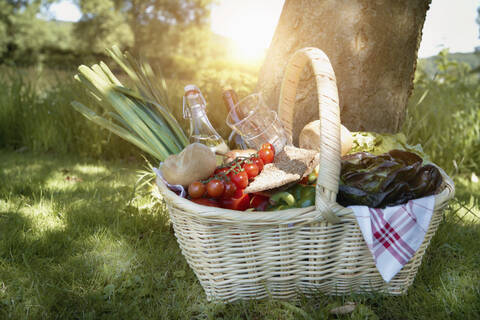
394	234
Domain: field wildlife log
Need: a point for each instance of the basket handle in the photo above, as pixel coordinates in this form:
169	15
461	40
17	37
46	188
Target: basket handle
329	112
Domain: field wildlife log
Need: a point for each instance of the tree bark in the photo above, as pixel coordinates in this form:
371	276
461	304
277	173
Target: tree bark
372	45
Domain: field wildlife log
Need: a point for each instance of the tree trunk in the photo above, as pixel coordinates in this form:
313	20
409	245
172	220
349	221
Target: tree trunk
372	46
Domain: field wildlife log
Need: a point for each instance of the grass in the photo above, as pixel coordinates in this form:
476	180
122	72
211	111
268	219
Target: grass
78	240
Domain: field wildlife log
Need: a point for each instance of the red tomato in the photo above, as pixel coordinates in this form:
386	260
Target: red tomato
242	203
266	155
240	179
268	146
259	163
232	172
196	189
259	202
215	188
221	171
238	194
207	202
251	169
230	189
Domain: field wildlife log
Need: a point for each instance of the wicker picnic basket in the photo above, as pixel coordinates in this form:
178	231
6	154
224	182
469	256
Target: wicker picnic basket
253	255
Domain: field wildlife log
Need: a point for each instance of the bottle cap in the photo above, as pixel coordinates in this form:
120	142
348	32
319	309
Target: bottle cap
196	91
190	87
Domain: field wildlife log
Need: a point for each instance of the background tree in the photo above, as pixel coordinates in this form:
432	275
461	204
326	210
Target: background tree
22	35
5	11
373	49
28	38
171	33
103	24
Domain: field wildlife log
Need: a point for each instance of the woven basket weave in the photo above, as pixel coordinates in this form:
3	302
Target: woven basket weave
253	255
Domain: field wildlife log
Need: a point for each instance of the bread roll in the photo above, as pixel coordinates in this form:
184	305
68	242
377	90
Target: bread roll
310	137
195	162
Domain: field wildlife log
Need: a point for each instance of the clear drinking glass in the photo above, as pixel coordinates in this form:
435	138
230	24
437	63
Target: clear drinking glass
256	123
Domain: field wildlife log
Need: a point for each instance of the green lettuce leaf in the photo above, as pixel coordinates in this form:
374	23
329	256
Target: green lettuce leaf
377	144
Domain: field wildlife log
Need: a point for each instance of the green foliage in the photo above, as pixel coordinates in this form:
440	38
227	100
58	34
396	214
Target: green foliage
43	120
103	25
4	38
443	115
213	80
429	65
23	34
26	39
174	35
165	28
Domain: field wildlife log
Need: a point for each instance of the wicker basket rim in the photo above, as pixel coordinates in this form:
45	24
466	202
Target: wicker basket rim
295	215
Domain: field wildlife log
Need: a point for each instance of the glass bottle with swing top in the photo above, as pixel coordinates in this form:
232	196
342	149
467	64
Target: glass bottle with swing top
201	130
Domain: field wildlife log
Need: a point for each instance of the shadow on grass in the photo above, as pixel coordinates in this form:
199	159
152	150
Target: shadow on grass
86	246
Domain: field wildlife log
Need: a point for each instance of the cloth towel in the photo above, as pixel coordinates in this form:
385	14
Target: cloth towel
394	234
178	189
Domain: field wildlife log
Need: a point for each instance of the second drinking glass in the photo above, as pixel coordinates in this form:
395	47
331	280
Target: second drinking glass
256	123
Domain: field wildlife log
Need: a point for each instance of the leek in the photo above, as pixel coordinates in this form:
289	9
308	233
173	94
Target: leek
138	115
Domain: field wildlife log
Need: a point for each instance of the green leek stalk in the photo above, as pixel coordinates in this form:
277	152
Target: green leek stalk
138	116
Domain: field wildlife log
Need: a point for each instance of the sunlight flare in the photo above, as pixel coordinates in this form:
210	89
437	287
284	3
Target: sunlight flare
251	28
